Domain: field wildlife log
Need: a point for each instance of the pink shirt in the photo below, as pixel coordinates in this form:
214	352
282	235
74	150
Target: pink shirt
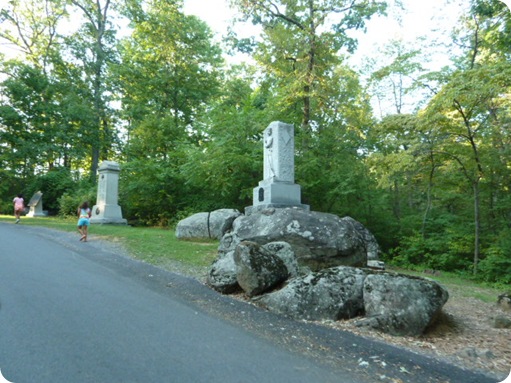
18	203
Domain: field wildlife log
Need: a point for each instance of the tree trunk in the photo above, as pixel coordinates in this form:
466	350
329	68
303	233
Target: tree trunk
477	222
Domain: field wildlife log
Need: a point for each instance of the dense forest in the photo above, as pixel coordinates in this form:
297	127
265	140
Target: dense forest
141	83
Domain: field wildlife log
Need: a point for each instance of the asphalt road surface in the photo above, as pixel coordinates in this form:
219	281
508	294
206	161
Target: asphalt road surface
73	312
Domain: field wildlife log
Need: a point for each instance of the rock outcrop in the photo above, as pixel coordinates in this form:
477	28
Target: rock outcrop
334	293
389	302
223	275
305	265
257	269
319	240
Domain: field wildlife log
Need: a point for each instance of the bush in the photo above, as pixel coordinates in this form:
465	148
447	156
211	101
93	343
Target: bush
10	186
496	266
69	202
448	251
148	192
53	185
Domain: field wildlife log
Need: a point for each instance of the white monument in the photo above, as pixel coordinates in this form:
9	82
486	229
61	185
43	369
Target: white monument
278	188
36	206
106	209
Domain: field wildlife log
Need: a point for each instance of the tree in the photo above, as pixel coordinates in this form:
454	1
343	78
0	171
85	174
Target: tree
92	47
169	72
468	104
392	82
300	46
31	28
168	76
227	164
29	105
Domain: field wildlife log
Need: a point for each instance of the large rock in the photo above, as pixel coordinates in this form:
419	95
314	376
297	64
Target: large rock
319	240
257	269
372	247
223	274
207	225
284	251
401	305
334	293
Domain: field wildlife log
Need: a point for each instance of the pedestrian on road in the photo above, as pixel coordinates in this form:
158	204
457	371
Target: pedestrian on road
19	206
84	214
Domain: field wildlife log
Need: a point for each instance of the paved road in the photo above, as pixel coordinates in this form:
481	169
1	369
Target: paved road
76	312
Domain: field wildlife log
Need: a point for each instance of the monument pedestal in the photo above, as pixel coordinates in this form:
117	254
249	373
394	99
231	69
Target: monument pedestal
106	210
36	206
107	214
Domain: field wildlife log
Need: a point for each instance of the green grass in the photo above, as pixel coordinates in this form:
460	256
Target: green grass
157	246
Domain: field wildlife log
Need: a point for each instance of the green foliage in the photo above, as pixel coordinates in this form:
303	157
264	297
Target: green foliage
41	118
226	165
446	252
53	185
7	191
148	192
70	200
496	266
301	46
168	71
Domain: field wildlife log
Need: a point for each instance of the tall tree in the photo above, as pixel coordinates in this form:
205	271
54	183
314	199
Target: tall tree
168	76
92	45
391	83
31	28
301	43
226	165
36	90
468	104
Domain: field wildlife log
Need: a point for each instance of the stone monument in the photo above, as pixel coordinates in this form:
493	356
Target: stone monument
106	209
36	205
278	188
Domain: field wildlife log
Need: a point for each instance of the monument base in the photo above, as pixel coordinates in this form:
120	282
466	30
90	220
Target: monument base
272	193
107	214
37	214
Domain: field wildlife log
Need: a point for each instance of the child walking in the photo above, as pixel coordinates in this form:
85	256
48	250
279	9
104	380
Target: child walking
84	214
19	206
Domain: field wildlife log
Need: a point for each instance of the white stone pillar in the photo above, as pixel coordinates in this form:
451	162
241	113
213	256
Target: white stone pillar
277	189
279	148
107	209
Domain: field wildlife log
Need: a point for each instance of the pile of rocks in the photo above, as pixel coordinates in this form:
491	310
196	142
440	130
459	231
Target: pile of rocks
313	266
